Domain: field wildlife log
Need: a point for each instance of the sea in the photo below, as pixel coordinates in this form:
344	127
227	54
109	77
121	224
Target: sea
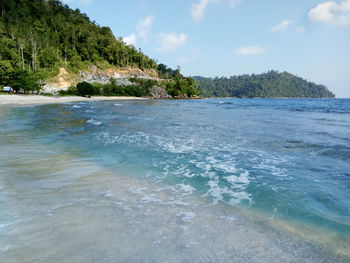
212	180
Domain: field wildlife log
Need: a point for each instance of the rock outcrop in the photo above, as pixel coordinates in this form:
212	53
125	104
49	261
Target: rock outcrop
157	92
65	79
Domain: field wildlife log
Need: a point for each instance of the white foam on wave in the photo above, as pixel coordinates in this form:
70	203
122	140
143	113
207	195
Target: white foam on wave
92	121
148	199
228	218
137	190
218	193
117	104
176	145
238	197
177	148
206	167
133	137
227	167
182	171
105	138
122	205
185	189
108	193
76	107
211	159
240	181
271	169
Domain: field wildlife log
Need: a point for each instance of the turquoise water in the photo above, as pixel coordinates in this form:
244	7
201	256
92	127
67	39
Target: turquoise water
238	180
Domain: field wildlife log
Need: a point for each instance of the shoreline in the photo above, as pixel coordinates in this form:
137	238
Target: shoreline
39	99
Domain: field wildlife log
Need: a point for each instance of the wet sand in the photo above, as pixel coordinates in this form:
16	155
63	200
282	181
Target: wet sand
37	99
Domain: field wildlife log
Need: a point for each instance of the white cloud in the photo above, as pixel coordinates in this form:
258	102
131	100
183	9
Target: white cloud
83	2
143	27
169	42
331	13
281	26
142	31
249	50
130	40
198	10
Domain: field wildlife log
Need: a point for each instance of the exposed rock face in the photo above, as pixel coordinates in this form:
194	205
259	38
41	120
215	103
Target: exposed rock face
61	82
95	75
159	93
64	79
103	78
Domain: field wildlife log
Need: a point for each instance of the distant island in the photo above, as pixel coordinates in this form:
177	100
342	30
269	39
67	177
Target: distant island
48	48
272	84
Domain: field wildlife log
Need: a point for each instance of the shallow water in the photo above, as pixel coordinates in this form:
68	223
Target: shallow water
176	181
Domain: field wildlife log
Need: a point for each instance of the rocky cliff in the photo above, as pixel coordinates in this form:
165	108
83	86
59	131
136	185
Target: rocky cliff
66	79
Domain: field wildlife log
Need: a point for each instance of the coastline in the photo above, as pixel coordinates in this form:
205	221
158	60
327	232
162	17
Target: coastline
38	99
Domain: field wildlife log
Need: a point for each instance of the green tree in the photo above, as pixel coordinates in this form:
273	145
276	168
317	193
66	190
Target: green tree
48	57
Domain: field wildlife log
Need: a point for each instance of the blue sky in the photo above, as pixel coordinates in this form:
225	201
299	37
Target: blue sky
309	38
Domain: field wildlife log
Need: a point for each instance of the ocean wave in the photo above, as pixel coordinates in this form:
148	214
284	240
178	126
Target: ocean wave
335	151
240	181
92	121
176	145
185	189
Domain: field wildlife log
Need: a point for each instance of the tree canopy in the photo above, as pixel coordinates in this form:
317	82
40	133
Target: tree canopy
39	34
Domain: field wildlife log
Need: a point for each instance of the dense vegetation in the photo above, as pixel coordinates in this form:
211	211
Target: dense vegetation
177	85
141	87
110	89
39	36
267	85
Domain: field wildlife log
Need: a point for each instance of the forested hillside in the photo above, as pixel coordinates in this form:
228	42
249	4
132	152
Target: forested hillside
267	85
37	37
39	34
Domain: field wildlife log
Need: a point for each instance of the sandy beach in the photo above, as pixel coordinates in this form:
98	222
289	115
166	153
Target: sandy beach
37	99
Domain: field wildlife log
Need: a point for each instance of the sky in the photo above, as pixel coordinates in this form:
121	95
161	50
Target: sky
308	38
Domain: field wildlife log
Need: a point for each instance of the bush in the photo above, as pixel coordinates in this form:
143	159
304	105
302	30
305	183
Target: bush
87	89
133	90
72	91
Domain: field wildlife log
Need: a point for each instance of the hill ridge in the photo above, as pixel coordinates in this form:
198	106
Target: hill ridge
272	84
